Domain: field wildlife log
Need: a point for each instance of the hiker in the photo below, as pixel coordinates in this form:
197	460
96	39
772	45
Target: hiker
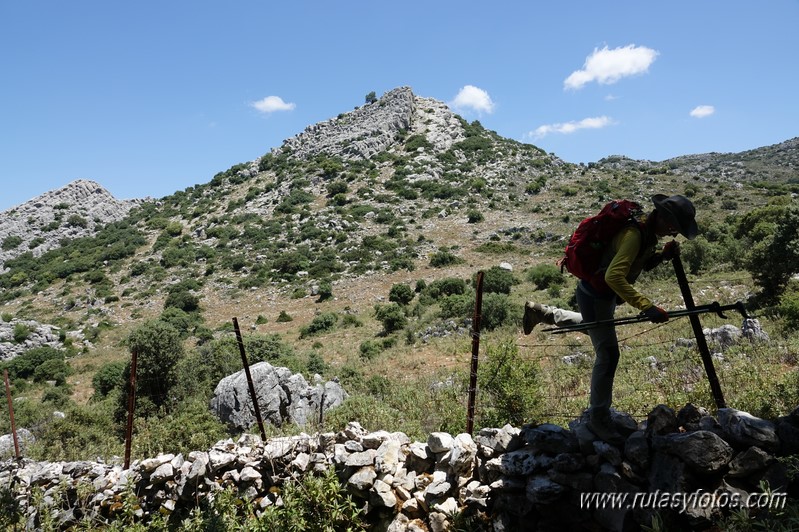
631	251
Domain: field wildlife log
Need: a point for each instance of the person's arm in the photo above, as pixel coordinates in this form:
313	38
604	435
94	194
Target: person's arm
627	244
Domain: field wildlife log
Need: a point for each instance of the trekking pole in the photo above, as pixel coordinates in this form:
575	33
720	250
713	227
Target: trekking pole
714	307
701	342
250	385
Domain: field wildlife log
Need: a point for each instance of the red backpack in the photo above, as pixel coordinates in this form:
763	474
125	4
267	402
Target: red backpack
587	245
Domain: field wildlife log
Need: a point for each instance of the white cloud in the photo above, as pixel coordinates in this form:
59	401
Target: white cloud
567	128
471	97
701	111
270	104
609	66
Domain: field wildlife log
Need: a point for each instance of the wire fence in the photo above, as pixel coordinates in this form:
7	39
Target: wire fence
659	364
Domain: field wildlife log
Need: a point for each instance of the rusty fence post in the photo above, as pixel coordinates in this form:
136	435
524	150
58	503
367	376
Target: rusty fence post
131	407
478	309
701	342
11	415
250	384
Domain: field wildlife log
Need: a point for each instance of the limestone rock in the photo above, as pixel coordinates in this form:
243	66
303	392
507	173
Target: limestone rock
283	397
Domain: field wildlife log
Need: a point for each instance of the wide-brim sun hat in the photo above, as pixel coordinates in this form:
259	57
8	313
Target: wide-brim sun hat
680	211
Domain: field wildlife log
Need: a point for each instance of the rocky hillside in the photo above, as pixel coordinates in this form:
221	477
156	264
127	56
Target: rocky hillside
349	252
74	211
397	190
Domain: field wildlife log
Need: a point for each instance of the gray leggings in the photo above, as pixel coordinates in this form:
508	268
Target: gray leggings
606	347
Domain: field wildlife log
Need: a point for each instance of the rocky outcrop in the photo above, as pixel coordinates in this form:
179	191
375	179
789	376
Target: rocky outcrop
539	477
376	127
30	334
283	397
74	211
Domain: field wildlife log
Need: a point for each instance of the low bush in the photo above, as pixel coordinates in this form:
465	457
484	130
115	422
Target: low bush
108	378
401	294
391	316
496	280
545	275
322	323
443	258
24	366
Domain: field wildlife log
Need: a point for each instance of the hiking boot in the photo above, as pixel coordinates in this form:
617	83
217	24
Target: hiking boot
605	430
533	315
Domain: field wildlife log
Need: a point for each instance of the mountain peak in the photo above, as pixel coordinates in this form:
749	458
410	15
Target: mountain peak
376	127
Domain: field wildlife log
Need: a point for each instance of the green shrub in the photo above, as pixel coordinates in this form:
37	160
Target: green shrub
159	347
184	322
458	306
325	290
77	221
24	365
21	332
351	320
108	378
788	309
370	349
58	396
494	312
313	503
284	317
509	387
775	259
444	287
183	300
443	258
337	187
415	142
545	275
324	322
496	280
54	369
11	242
174	228
474	216
391	316
401	294
694	254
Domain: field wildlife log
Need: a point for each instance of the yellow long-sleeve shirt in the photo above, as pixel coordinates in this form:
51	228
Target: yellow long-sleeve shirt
626	265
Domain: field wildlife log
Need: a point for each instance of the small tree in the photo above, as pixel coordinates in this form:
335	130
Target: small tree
108	378
325	291
391	316
776	258
371	98
401	294
159	347
496	280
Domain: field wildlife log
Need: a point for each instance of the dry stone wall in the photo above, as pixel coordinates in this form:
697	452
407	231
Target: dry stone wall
529	478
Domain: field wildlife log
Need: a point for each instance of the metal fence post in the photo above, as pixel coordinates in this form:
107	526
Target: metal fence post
11	415
131	407
478	307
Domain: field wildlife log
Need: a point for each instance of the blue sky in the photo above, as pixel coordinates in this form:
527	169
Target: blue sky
147	97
